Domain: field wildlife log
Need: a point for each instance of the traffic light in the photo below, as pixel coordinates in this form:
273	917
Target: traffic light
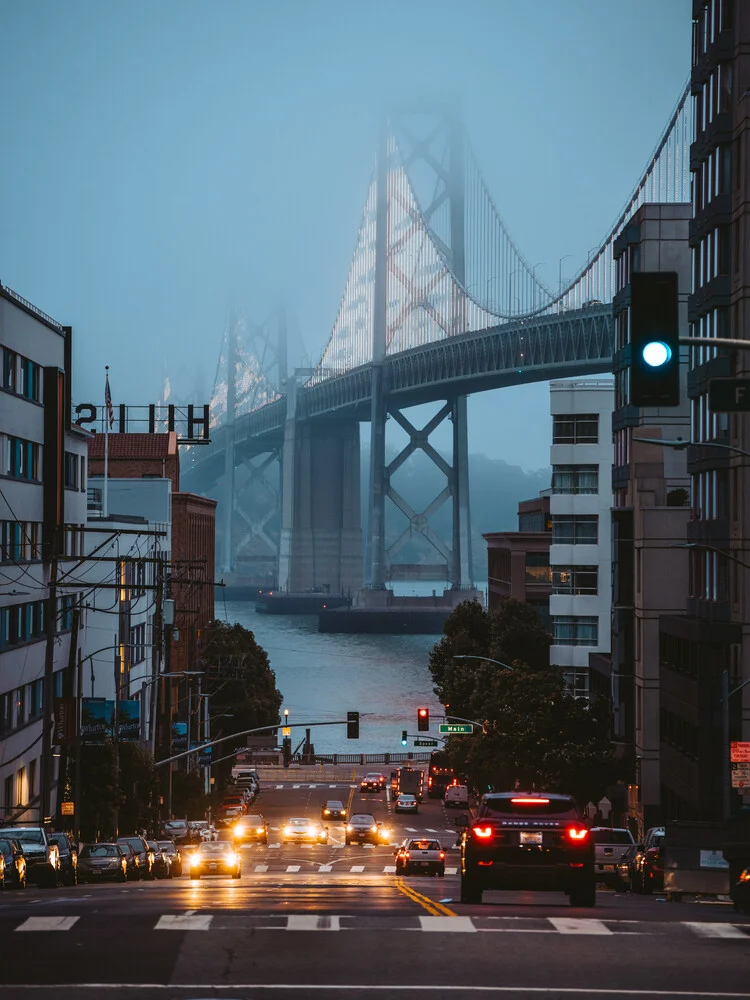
352	725
423	720
654	339
404	738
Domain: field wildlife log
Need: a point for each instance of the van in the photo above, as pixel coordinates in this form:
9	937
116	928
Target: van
457	796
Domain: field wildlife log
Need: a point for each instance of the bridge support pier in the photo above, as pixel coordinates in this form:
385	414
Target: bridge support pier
321	532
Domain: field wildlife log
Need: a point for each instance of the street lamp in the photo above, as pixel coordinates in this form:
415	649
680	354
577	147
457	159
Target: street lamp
559	271
486	659
533	279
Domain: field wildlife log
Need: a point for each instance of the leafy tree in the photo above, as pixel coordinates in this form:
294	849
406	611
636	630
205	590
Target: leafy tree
122	782
240	683
536	734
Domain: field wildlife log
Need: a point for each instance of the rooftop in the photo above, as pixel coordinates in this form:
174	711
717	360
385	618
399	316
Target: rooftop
134	446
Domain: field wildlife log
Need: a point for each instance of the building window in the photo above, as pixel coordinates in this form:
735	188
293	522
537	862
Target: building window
538	568
138	643
32	778
575	479
678	733
577	580
578	682
575	529
29	382
575	428
71	471
10	369
21	623
8	802
575	630
21	458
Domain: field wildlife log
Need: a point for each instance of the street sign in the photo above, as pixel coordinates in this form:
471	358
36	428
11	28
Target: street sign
729	395
67	809
286	730
741	775
425	743
739	752
454	729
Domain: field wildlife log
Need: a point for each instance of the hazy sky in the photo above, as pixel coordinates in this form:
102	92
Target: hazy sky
162	160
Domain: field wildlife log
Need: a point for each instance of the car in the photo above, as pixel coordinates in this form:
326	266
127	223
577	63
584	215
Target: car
420	854
41	853
457	796
333	809
374	782
301	830
362	828
105	863
174	854
251	829
162	865
647	869
68	858
611	844
215	858
527	840
741	892
144	855
406	803
13	864
177	831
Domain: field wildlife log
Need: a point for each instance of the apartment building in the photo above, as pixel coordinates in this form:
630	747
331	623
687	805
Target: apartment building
42	516
518	561
580	501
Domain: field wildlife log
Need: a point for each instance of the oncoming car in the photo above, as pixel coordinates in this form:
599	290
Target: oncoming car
215	858
301	830
528	840
333	809
251	829
373	782
362	828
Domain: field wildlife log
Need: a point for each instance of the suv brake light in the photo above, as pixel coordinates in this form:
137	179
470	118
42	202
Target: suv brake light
442	855
530	802
483	832
577	833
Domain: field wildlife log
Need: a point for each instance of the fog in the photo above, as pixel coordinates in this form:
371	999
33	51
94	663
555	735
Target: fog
162	163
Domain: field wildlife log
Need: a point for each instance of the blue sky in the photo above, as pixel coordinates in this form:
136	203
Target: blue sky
161	161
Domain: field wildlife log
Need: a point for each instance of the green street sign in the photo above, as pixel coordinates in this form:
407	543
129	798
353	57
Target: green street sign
455	728
425	743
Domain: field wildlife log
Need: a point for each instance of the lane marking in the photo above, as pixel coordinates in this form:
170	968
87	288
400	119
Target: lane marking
261	868
451	871
716	930
410	829
312	922
295	786
357	868
433	907
390	869
574	925
292	868
462	925
47	924
279	786
183	922
325	868
333	989
272	846
430	830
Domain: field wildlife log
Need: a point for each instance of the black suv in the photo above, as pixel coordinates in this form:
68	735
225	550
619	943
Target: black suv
144	855
528	840
68	857
362	829
41	853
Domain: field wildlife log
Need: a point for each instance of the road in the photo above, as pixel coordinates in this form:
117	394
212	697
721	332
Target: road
335	921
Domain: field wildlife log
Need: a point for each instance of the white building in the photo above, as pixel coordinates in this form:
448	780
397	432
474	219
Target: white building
580	553
43	462
132	544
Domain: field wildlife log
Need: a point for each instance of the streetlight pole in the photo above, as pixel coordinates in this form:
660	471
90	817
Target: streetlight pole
680	444
533	280
559	271
486	659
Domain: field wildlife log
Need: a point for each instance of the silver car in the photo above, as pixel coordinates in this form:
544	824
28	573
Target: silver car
613	851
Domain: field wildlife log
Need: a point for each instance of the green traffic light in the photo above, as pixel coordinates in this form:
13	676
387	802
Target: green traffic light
656	353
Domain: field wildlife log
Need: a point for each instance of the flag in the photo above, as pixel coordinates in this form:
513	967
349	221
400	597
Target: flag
108	402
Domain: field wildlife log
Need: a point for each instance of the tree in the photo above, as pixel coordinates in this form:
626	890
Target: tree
239	682
536	733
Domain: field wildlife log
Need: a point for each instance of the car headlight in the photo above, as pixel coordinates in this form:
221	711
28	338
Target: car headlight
373	829
385	834
313	831
349	827
195	861
288	831
343	812
326	812
232	858
260	829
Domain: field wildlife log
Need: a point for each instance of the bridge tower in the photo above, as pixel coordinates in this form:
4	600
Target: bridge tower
443	196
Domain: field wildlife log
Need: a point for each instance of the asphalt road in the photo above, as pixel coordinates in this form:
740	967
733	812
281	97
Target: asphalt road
333	921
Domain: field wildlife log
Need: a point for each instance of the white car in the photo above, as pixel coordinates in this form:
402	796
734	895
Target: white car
406	803
301	830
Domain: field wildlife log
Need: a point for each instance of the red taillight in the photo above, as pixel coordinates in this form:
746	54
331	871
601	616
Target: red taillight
429	782
406	854
577	833
529	802
442	855
483	832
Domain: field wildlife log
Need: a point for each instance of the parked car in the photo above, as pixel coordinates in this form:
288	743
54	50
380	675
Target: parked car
174	854
143	853
68	857
611	844
41	853
105	862
422	855
13	864
162	866
648	863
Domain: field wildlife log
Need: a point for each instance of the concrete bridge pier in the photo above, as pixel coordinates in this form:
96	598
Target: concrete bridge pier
321	531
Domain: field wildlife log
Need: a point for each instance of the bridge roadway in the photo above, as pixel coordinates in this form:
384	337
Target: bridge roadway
335	922
566	344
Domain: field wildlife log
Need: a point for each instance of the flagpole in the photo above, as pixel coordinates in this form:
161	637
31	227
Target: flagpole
105	504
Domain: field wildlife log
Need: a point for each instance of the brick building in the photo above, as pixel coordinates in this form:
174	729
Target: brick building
137	456
518	561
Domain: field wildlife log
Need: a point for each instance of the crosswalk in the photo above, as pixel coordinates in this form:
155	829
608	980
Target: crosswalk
335	866
224	921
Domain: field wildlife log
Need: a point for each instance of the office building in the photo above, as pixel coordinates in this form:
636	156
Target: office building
518	561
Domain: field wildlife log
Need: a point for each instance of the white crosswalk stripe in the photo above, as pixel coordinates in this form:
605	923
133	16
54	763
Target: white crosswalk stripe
292	868
389	869
261	868
184	922
430	830
279	786
295	786
451	871
573	925
47	924
716	930
357	868
325	868
312	922
410	829
462	925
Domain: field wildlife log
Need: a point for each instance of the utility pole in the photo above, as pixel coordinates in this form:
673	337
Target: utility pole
48	685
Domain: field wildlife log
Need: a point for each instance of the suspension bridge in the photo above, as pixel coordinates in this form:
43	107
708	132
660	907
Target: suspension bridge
439	303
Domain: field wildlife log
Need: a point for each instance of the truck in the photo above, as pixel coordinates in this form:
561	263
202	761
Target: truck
409	780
